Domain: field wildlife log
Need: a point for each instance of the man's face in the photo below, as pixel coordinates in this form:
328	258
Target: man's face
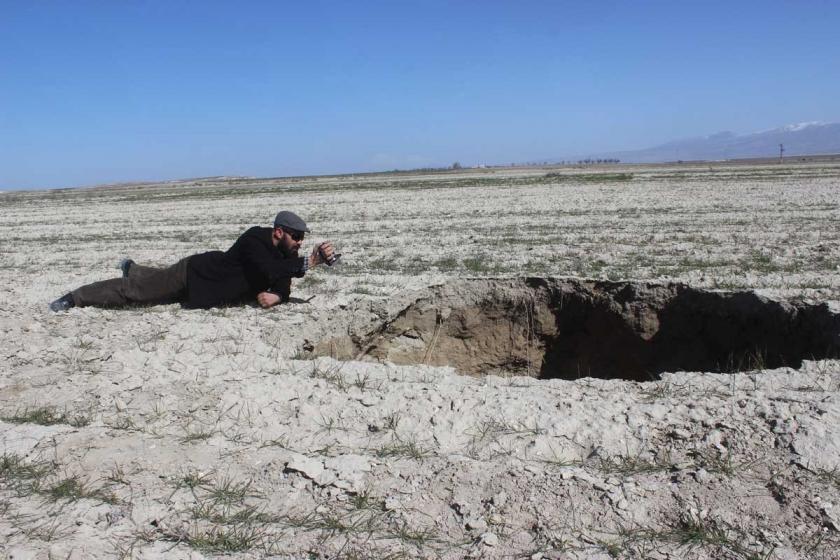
289	240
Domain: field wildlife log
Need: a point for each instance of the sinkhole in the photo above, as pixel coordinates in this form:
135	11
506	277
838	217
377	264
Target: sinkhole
570	328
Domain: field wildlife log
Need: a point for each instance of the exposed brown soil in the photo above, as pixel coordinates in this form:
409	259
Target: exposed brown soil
570	328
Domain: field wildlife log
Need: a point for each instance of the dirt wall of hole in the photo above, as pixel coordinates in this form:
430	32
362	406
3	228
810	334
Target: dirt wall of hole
570	328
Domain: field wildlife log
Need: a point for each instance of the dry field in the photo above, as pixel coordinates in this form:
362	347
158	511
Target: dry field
168	433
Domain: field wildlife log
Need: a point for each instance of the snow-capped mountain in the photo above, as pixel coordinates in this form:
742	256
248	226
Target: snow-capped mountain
807	138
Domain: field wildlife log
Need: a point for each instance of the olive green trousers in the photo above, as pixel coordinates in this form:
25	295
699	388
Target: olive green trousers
144	285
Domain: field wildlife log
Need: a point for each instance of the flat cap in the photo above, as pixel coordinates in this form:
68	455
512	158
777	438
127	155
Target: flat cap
290	220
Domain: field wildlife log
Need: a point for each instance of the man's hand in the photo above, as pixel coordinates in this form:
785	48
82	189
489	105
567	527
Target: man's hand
267	299
321	253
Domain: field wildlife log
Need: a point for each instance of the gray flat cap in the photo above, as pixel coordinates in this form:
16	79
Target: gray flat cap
290	220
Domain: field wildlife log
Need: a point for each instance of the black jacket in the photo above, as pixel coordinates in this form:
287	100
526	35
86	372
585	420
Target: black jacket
251	266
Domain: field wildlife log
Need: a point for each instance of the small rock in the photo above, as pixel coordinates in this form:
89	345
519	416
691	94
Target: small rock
490	539
311	468
715	438
702	476
830	516
475	524
601	486
500	499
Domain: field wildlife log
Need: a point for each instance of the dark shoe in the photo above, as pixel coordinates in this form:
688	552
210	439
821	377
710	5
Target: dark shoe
125	264
63	303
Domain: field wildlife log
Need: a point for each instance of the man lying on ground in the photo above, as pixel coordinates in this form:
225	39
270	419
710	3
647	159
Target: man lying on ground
261	265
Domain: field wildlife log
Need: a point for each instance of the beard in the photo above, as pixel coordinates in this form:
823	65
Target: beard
288	253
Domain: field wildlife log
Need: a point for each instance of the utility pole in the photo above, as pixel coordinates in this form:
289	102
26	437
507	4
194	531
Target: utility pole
781	152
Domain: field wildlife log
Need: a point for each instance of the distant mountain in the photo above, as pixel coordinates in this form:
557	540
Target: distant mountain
798	139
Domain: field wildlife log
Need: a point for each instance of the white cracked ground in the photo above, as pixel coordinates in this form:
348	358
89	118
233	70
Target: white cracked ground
169	433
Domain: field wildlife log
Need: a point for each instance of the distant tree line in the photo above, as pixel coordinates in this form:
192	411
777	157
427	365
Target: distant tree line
589	161
457	165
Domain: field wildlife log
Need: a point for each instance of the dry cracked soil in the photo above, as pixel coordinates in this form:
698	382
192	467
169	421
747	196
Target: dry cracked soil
617	362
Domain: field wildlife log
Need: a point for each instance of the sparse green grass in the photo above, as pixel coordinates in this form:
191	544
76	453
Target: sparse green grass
83	360
222	514
193	480
332	523
492	429
366	500
658	390
241	537
689	533
389	423
40	477
446	264
117	475
282	442
47	416
402	448
24	476
310	281
201	434
227	491
714	461
51	529
330	424
692	532
419	538
588	177
362	290
122	423
330	374
334	376
478	265
831	476
363	381
235	526
73	488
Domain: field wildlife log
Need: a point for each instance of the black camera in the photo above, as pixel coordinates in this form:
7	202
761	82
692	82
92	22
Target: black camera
331	261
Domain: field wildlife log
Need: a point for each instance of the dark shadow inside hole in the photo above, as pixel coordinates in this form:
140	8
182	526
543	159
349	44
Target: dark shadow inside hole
693	331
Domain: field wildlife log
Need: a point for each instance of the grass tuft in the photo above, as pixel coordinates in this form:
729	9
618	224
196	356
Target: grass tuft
227	491
47	416
24	477
240	537
399	448
74	488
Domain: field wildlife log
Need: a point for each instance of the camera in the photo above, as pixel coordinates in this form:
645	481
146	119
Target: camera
331	261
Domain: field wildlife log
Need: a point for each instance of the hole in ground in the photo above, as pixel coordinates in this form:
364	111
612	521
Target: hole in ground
571	328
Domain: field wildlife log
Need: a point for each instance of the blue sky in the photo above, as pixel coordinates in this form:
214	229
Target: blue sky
95	92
